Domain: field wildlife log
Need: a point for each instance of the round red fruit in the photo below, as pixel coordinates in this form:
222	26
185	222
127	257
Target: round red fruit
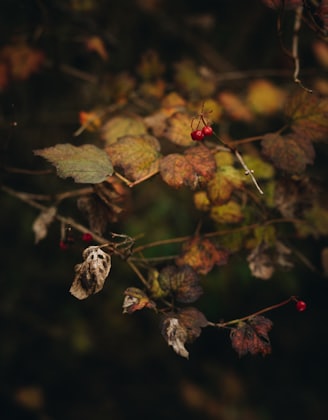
301	305
63	245
207	130
87	237
197	135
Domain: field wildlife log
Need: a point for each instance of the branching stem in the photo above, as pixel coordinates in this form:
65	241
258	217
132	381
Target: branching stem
247	317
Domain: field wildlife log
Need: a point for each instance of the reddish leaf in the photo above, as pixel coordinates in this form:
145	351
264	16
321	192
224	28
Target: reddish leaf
201	254
195	165
290	153
21	60
252	336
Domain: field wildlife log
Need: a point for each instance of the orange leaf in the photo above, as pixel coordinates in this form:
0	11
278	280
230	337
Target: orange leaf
201	254
96	44
264	97
22	59
195	165
234	107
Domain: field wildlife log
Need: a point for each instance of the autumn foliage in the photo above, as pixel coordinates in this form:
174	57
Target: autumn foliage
244	190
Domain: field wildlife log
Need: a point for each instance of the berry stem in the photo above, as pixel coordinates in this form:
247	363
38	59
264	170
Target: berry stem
247	317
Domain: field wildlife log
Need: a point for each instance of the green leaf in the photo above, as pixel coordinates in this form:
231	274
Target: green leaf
85	164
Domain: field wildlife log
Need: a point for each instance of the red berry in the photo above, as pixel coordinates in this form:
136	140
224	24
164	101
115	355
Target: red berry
301	305
197	135
87	237
207	130
63	245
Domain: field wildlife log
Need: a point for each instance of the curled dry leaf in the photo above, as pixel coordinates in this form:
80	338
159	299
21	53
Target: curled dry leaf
42	222
135	299
189	169
91	273
138	156
183	327
175	335
201	254
260	263
86	164
252	336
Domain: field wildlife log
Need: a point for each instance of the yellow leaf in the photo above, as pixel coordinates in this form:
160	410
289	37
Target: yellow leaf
230	212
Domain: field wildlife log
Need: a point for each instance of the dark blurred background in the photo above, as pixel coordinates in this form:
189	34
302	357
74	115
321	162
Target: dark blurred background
66	359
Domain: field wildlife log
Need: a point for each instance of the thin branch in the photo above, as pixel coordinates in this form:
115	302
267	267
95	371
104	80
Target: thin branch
67	220
297	27
247	317
248	171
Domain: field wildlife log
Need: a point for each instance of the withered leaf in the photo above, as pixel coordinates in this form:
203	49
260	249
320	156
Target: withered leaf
193	320
183	327
308	114
42	222
135	300
196	165
175	335
290	153
86	164
260	263
252	336
109	203
201	254
91	273
181	282
138	156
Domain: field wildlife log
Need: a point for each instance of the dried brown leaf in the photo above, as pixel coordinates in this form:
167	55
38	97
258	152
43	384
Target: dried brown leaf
91	273
290	153
42	222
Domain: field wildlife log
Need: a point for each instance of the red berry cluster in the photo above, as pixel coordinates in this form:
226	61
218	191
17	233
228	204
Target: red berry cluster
198	135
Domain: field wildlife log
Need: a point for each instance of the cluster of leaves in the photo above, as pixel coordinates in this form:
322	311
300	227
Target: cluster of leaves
145	133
